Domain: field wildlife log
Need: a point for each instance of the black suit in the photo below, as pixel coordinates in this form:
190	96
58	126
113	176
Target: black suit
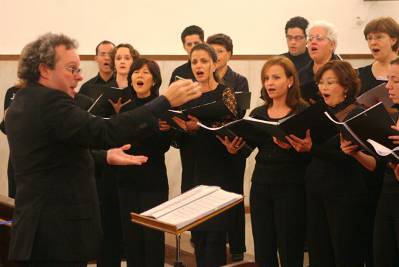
56	208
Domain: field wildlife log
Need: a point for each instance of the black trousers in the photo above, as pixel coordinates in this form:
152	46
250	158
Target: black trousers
210	248
386	234
236	237
111	248
336	228
144	247
278	223
11	182
51	264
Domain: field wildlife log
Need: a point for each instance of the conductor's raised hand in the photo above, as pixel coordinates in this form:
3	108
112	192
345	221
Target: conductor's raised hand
182	91
117	156
300	145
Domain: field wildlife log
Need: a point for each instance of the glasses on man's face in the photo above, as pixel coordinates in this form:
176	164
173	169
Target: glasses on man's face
74	70
317	38
375	37
328	83
104	54
295	37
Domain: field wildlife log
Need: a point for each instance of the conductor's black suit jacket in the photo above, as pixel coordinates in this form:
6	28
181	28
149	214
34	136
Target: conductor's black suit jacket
56	207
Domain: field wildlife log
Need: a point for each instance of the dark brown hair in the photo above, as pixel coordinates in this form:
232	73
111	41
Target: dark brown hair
346	75
221	39
294	94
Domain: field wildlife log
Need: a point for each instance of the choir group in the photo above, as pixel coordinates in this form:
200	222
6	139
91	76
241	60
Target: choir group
332	199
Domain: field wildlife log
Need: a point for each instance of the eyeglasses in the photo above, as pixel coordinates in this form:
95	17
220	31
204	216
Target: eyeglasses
295	37
317	38
376	37
74	70
328	83
104	54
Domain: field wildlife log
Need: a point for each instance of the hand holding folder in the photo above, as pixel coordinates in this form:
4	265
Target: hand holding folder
373	123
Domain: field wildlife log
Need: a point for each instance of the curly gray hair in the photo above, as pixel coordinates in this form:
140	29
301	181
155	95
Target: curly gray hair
41	51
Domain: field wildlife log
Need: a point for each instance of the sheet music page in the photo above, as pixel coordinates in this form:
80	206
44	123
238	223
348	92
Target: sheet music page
199	208
180	201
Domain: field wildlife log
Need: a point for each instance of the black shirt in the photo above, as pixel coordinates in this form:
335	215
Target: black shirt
152	175
275	165
299	61
332	172
183	71
86	88
368	81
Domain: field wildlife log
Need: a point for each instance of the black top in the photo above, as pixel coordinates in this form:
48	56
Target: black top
275	165
9	97
213	164
56	213
390	183
331	171
96	80
368	81
183	71
309	89
299	61
152	175
238	83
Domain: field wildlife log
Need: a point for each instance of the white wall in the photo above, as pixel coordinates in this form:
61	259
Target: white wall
153	27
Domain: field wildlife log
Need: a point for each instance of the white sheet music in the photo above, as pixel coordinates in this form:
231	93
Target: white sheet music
192	205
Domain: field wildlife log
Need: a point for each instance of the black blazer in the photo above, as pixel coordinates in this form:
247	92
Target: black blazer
56	207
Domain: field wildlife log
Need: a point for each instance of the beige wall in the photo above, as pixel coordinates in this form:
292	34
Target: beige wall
256	26
250	69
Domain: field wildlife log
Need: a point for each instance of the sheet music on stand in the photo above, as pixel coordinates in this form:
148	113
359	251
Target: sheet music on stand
186	211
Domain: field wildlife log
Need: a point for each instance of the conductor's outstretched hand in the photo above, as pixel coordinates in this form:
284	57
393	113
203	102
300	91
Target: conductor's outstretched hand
117	156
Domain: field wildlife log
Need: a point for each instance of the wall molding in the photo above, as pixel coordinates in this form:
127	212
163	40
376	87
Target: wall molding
184	57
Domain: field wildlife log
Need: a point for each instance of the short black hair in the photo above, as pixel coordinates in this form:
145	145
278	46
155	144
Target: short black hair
153	67
221	39
102	43
297	22
190	30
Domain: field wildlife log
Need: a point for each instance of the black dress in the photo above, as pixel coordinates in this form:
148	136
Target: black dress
277	201
141	188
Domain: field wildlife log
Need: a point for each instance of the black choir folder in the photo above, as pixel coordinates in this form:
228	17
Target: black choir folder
254	130
211	110
375	95
373	123
101	105
188	210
